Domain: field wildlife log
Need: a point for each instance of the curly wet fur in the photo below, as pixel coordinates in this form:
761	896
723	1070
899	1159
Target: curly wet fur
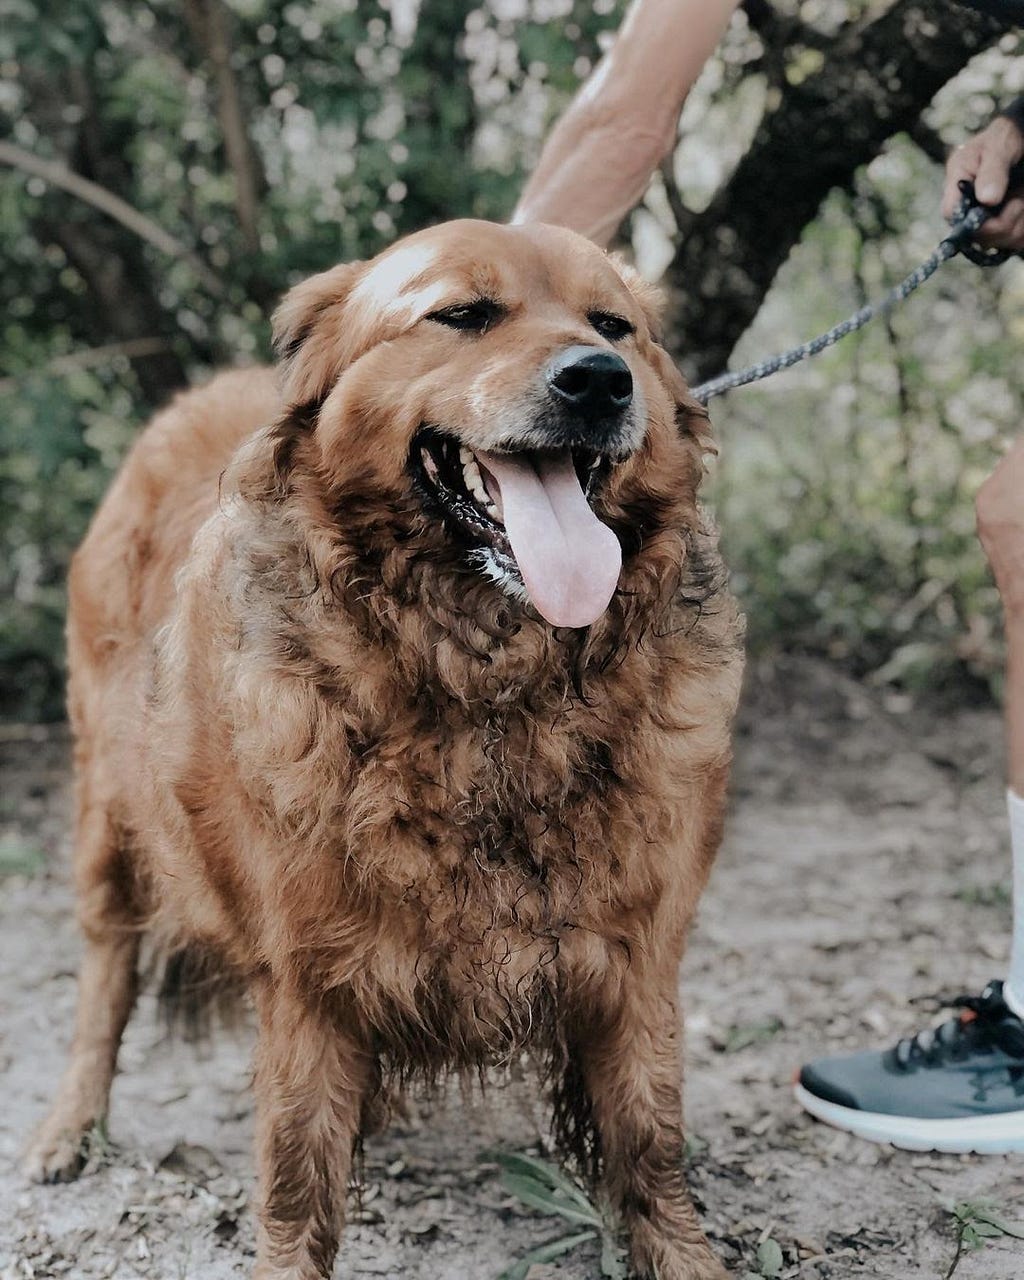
427	830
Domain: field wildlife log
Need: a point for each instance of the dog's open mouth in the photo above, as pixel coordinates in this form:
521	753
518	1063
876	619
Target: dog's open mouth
531	510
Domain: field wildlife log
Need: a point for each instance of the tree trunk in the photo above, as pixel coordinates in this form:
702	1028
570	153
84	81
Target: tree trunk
877	79
126	307
209	22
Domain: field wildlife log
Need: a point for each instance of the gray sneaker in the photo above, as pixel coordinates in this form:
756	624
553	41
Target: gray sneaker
958	1087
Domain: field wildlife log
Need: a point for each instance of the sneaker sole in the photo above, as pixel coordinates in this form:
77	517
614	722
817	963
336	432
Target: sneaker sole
996	1135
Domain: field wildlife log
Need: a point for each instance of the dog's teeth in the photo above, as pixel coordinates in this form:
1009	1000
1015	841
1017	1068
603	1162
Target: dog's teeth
474	480
596	463
429	465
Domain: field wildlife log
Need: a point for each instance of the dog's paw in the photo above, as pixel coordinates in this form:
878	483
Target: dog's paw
692	1269
691	1263
267	1271
59	1154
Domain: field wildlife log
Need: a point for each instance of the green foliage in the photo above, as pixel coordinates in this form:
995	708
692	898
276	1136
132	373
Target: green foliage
543	1187
844	490
17	859
769	1259
993	894
977	1223
361	128
744	1035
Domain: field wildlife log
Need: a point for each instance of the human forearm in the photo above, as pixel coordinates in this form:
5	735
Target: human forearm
600	156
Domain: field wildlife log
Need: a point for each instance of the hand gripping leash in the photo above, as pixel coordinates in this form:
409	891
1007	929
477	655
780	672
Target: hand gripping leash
963	227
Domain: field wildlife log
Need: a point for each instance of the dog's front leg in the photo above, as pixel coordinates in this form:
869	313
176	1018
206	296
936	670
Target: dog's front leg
312	1079
632	1072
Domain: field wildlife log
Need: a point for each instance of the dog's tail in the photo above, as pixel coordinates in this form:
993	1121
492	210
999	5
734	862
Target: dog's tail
197	989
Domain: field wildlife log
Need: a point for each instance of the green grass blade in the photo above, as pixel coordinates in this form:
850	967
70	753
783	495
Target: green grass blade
613	1259
546	1253
539	1196
1014	1230
534	1167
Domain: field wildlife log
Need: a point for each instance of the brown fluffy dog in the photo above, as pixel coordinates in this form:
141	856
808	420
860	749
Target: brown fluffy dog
370	717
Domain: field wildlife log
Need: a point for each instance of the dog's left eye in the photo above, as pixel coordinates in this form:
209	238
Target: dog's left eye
474	316
609	326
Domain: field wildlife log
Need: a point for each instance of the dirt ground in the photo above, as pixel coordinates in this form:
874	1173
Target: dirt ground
865	863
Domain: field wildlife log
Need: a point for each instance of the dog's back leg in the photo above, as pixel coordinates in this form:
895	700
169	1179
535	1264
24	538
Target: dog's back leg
109	914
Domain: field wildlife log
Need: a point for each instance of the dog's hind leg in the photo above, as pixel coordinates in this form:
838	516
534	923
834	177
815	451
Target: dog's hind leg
313	1083
631	1069
106	991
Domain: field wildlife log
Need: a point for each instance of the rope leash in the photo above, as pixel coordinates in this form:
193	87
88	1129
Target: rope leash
963	226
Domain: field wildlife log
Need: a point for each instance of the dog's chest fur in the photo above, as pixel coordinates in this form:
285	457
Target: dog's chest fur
484	831
452	843
498	860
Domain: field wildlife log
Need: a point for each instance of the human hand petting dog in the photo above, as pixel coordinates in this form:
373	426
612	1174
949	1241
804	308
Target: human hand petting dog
988	160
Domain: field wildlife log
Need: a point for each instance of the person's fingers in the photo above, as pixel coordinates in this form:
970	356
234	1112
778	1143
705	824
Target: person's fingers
1002	145
1007	230
1014	237
962	163
993	171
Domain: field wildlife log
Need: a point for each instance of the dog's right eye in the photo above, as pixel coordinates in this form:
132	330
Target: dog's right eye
474	316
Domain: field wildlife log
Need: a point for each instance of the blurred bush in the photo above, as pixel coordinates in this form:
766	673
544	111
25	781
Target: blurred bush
845	489
272	139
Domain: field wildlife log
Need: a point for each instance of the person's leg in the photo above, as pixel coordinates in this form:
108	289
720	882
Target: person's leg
1001	528
957	1087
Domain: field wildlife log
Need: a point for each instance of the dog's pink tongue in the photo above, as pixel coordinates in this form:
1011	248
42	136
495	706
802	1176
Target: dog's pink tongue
569	560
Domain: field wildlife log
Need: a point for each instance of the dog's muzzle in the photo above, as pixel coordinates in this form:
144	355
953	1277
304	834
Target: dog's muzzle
590	381
589	394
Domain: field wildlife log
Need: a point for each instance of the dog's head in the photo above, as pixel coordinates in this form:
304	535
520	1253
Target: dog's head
500	393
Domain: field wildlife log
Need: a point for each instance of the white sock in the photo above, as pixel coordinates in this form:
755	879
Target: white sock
1013	989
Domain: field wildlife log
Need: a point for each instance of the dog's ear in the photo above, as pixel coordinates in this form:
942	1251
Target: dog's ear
309	333
650	298
692	417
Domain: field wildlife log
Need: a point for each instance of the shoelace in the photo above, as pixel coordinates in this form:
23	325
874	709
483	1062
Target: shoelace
951	1038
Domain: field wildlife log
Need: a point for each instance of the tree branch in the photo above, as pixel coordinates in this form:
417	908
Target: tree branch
682	216
209	22
928	141
59	366
878	78
126	303
59	175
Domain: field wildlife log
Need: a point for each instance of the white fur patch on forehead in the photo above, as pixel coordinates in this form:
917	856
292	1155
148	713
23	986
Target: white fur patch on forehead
387	277
387	287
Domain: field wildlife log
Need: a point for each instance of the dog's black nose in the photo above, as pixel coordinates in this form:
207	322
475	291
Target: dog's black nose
590	381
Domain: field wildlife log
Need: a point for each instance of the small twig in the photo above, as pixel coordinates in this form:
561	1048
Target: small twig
956	1257
927	139
680	213
59	175
966	1215
86	359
